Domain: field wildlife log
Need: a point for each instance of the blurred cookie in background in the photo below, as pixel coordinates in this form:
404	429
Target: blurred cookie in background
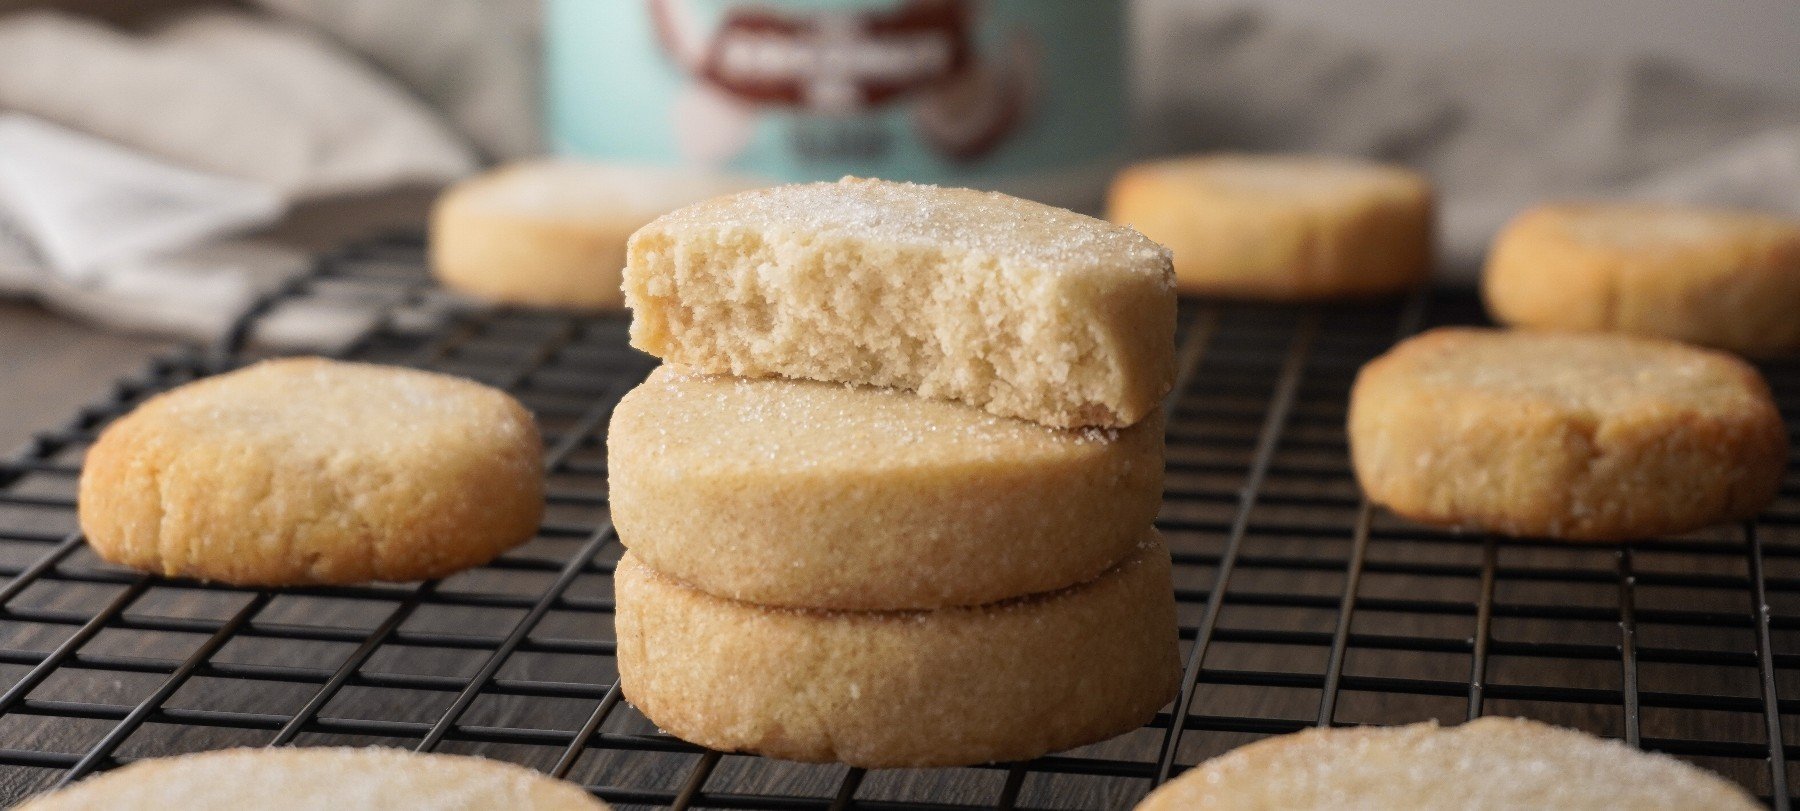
1282	227
1717	277
551	233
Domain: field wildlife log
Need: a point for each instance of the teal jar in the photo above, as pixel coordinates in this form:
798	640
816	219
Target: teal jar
1024	96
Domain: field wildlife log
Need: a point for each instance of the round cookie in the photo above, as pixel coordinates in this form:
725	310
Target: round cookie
1282	227
1729	279
956	686
1013	306
818	495
1489	764
306	470
552	233
318	779
1584	436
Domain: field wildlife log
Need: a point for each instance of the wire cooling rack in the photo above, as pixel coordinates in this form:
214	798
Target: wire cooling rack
1300	605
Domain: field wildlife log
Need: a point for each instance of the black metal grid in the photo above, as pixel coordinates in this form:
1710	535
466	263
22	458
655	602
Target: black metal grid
1300	604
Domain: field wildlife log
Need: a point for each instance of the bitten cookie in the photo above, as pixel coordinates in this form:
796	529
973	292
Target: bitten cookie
318	779
551	233
1489	764
1573	435
951	687
818	495
314	471
1282	227
1008	305
1723	278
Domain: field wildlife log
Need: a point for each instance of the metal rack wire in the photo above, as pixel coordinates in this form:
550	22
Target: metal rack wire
1300	604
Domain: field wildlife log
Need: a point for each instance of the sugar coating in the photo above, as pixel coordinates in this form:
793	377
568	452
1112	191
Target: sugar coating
1012	306
1715	277
319	779
951	687
1005	228
1489	764
1575	435
800	493
314	471
1281	226
552	233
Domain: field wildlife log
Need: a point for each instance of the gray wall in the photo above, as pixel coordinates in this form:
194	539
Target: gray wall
1755	41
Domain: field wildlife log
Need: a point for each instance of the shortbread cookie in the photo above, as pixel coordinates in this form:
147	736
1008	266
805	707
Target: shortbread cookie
318	779
1282	227
1013	306
1572	435
1489	764
819	495
951	687
314	471
551	233
1723	278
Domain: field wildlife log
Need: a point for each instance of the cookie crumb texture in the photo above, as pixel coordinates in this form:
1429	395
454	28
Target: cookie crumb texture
318	779
1489	764
821	495
306	470
1582	436
952	687
1721	278
1282	227
552	233
1012	306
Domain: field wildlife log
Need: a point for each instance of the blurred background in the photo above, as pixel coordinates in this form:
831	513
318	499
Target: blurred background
162	162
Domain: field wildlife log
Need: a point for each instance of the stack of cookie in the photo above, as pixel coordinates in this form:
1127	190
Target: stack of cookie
890	501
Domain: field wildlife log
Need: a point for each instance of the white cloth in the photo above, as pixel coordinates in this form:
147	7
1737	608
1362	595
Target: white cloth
474	60
168	147
231	94
87	204
196	292
113	235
